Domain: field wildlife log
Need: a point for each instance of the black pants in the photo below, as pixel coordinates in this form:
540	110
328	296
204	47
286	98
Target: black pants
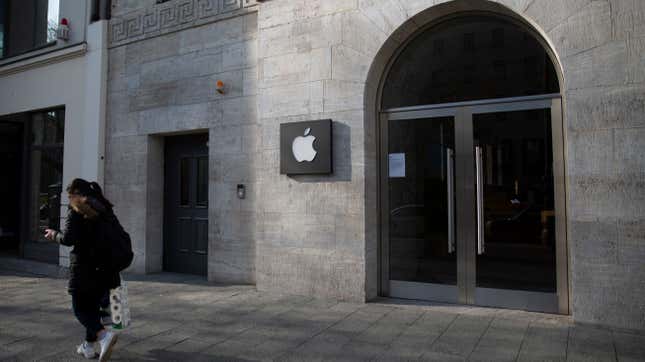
87	305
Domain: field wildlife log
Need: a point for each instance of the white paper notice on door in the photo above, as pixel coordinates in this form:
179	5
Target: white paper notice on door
396	163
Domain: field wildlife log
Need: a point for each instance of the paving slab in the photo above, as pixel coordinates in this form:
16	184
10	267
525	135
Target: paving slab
185	318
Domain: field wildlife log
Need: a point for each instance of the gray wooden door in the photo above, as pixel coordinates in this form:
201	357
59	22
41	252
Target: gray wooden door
186	204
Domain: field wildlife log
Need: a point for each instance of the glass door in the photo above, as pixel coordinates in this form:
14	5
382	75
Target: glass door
421	208
472	204
515	204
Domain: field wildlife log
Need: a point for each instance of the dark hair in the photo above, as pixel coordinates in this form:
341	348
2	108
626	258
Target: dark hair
91	189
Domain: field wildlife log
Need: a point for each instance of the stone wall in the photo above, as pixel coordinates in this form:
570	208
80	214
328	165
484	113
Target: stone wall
164	84
317	235
331	45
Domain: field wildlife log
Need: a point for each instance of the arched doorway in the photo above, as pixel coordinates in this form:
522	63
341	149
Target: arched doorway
471	177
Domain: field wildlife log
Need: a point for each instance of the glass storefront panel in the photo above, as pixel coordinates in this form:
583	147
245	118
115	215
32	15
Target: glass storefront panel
518	248
47	176
469	58
421	201
46	171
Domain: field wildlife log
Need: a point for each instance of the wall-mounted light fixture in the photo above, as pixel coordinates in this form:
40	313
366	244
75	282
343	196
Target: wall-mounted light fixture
63	30
219	86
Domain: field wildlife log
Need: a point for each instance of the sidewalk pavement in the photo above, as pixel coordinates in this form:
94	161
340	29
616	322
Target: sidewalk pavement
184	318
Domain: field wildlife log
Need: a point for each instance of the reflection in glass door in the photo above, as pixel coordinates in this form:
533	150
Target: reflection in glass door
516	248
473	204
421	198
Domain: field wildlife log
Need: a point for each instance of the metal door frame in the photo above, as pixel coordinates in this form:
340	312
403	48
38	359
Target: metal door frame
465	194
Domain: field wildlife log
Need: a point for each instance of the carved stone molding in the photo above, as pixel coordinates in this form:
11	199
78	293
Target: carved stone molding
172	16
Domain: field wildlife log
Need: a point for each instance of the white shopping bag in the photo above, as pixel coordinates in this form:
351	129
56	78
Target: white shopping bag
119	308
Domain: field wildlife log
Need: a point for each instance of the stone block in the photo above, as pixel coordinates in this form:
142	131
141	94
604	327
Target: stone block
307	231
239	111
631	242
122	124
270	137
592	197
305	98
591	153
237	168
120	7
594	242
195	64
302	67
225	140
232	268
360	34
174	118
240	55
630	195
125	169
603	65
230	226
636	58
387	15
250	81
302	272
586	29
116	64
603	108
151	49
599	290
251	141
287	12
343	96
300	37
548	14
350	235
349	65
629	145
160	96
223	196
413	7
232	30
628	18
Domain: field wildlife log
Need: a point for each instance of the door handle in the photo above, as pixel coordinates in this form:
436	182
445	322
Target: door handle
480	200
450	162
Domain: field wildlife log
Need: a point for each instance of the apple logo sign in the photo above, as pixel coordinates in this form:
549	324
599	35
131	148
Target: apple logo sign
303	147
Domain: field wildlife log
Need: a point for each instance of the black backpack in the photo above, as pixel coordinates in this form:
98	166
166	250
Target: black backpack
115	248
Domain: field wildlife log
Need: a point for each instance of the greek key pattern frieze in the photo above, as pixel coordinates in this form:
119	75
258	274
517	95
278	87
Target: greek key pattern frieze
172	16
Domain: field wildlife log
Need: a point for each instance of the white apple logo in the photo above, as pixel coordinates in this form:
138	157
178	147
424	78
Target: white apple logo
303	147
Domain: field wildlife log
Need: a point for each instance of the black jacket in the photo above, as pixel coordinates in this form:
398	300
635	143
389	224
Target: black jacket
85	234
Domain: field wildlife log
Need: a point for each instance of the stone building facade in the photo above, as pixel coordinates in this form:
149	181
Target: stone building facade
283	61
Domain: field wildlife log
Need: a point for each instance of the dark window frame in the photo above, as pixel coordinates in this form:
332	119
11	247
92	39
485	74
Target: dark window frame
4	55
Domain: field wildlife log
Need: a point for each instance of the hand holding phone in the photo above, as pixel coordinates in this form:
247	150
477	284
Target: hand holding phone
50	234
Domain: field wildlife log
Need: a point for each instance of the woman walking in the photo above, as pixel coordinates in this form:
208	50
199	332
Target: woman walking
89	282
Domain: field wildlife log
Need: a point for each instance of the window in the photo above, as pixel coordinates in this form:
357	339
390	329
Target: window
497	38
469	58
469	41
184	182
202	181
46	170
27	25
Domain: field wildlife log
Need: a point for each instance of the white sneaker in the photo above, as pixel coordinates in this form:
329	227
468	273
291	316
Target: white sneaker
87	350
107	343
